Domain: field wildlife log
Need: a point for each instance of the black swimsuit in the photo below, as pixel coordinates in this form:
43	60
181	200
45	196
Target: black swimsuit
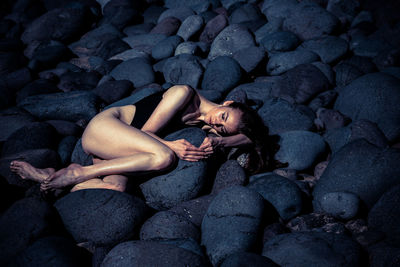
144	109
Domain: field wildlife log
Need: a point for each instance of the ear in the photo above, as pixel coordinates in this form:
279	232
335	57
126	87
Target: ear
227	102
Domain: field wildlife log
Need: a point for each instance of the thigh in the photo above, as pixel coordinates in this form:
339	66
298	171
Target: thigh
107	137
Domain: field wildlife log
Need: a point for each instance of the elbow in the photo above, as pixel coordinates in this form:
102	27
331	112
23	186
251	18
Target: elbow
184	90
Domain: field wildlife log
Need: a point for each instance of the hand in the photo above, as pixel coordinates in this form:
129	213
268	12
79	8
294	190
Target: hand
210	144
186	151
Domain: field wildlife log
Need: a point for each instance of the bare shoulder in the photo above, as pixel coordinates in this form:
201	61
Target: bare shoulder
179	91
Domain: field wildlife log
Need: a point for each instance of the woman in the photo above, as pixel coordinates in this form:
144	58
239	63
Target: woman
119	148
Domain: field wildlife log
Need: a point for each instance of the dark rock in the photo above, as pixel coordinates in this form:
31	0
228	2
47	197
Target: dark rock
282	62
65	148
330	119
279	41
308	20
138	29
250	57
281	116
374	97
183	69
301	83
256	91
194	210
181	13
346	73
152	13
230	40
65	128
11	120
277	10
35	135
181	184
387	58
345	11
186	243
272	230
70	106
316	249
151	253
37	87
10	62
245	13
187	48
385	215
364	64
328	48
77	81
24	222
197	5
53	251
231	223
368	47
213	28
221	74
359	168
61	24
112	91
247	259
230	173
190	26
39	158
168	26
10	83
341	205
79	156
168	225
325	69
300	149
166	47
47	54
138	70
322	100
384	254
368	130
310	222
100	216
144	42
121	13
283	194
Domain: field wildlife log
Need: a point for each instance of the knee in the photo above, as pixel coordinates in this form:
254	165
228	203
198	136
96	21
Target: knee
164	159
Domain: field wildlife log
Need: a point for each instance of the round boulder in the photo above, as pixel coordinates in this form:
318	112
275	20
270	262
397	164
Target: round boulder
230	173
374	97
166	47
101	216
231	39
247	259
183	69
360	168
283	194
231	223
137	70
341	205
282	62
300	149
190	26
221	74
329	48
279	41
213	28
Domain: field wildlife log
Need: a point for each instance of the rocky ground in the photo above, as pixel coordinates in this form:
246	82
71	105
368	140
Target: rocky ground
323	75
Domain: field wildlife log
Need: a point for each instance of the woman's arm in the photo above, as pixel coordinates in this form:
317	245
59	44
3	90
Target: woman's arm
211	143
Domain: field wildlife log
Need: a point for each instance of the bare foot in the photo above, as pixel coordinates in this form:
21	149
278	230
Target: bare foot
62	178
27	171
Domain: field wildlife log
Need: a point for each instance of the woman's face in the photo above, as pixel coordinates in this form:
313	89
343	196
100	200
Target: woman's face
224	119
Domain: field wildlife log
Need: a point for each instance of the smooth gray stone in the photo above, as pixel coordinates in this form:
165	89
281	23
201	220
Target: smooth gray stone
309	20
282	62
190	26
181	13
101	216
138	70
70	106
279	41
300	149
194	209
360	168
183	69
221	74
166	47
329	48
183	183
168	225
130	54
325	69
256	90
186	243
187	48
11	120
245	13
283	194
138	29
230	40
366	129
250	58
268	28
374	97
112	91
322	100
281	116
278	9
247	259
313	249
231	223
151	253
230	173
342	205
144	42
65	149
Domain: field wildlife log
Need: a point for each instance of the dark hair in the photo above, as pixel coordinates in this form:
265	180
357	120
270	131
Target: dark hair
264	147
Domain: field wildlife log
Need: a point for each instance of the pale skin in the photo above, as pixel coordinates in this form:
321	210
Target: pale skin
119	148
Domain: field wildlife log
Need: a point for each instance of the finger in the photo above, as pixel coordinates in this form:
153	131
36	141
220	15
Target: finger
193	148
205	145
